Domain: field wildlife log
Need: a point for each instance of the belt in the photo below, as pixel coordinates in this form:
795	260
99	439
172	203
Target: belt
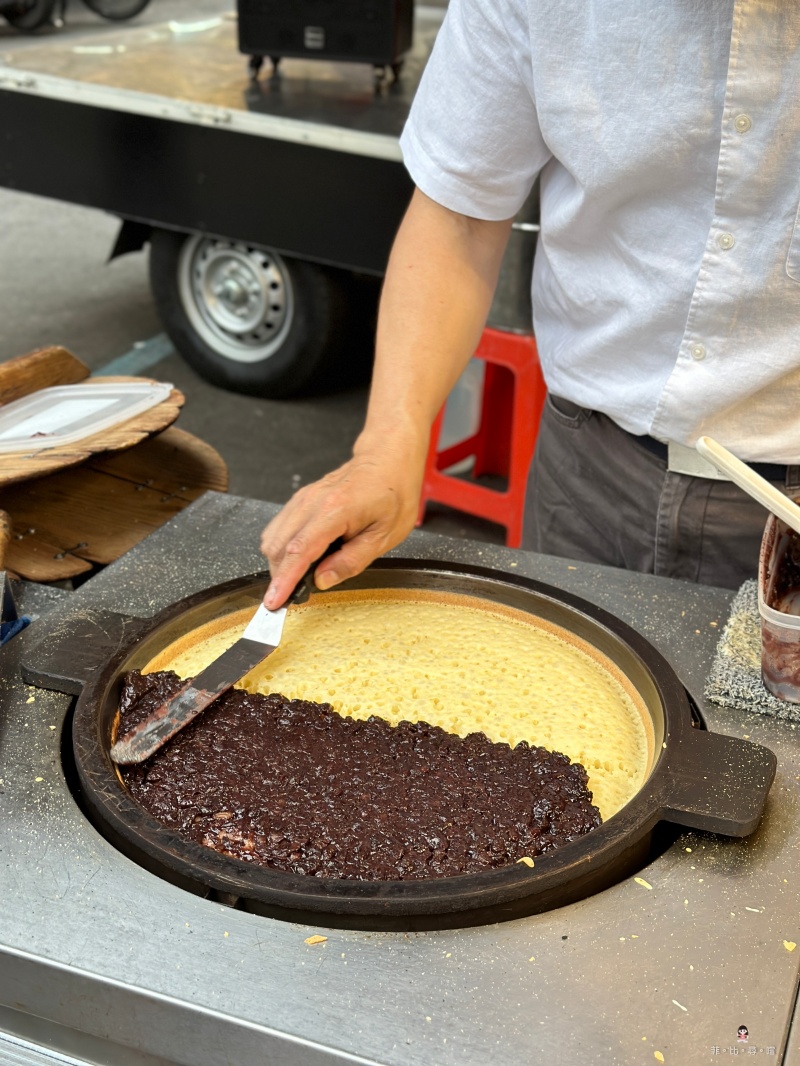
678	458
683	460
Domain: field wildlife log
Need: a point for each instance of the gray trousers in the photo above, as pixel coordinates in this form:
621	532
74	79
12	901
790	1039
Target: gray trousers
596	493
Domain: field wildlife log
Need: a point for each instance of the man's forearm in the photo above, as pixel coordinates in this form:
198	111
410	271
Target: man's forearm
436	296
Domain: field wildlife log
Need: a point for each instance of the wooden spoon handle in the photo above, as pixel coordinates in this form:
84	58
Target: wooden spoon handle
752	483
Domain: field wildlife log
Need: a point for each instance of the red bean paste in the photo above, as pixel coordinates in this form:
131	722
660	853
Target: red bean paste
294	786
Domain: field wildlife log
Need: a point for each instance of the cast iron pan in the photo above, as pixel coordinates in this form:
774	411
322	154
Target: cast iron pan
698	779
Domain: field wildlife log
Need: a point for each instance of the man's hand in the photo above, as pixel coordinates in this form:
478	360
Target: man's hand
371	502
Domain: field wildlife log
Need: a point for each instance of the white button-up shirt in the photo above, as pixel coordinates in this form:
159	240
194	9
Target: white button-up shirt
666	285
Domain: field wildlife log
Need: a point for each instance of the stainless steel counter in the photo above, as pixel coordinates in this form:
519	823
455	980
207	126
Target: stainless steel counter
107	963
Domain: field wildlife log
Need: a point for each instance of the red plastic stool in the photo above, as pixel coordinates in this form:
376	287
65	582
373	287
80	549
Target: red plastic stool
511	406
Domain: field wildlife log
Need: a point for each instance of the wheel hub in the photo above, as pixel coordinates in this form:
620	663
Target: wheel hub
236	291
234	295
238	296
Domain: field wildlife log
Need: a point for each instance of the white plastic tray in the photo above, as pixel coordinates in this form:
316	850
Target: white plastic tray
65	414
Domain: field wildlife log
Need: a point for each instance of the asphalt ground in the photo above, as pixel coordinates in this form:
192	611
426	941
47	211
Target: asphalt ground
57	287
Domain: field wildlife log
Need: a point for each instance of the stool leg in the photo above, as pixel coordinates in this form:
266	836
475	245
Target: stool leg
511	405
529	397
493	450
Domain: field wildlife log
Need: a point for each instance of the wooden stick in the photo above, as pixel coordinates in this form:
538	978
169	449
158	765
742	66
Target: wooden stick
5	537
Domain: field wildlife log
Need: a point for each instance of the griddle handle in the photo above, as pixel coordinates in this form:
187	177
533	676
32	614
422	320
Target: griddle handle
66	656
718	783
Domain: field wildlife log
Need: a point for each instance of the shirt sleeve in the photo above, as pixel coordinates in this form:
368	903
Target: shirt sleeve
472	141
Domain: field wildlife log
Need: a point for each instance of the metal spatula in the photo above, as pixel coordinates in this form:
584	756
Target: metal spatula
751	482
260	639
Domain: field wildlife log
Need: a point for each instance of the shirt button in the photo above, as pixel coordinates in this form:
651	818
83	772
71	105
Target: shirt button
742	123
726	241
698	352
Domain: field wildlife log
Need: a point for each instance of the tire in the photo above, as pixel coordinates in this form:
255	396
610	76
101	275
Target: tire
248	319
30	15
117	10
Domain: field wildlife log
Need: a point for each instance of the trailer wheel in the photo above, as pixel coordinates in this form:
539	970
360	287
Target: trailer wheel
246	318
29	15
117	10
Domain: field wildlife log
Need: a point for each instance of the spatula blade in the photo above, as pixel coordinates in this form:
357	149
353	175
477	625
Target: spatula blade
190	700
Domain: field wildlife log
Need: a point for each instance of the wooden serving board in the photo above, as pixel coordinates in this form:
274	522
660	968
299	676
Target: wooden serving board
39	370
22	466
64	523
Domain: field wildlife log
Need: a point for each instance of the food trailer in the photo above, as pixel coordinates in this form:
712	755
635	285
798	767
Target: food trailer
269	204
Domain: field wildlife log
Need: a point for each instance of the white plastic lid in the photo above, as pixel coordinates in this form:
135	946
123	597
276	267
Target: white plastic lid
65	414
777	618
781	619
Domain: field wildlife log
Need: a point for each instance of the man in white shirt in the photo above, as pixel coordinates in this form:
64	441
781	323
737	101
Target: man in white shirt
666	286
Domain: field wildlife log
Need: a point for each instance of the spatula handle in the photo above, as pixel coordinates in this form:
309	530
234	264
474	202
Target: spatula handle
305	586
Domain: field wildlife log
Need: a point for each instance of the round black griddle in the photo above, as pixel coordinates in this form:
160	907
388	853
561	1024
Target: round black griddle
698	779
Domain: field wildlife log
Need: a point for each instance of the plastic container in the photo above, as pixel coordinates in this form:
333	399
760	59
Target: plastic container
64	414
779	607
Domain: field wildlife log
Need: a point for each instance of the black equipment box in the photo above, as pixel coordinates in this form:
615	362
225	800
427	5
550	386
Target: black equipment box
361	31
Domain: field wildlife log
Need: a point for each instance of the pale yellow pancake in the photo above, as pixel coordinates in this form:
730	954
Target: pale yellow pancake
456	662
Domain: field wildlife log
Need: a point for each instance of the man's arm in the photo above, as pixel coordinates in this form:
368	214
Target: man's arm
438	289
